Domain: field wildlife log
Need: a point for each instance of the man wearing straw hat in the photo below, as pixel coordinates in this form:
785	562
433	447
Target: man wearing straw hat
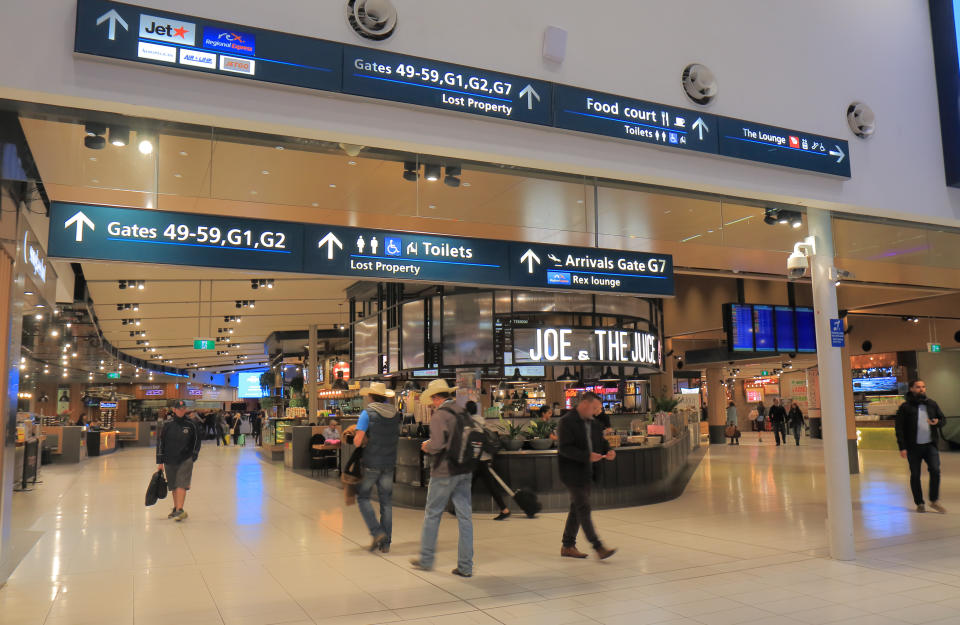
444	484
379	429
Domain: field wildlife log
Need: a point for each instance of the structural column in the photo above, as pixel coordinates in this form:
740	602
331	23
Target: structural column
716	405
311	381
848	407
835	454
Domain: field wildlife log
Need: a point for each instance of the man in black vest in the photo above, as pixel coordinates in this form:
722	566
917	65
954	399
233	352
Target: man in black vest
918	423
378	429
778	419
581	445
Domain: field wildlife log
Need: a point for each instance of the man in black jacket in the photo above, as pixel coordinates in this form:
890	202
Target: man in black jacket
778	419
918	424
581	445
178	446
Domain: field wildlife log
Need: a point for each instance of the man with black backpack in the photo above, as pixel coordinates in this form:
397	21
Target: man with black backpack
455	445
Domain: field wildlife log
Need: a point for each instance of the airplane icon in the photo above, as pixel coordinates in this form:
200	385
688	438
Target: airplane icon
554	259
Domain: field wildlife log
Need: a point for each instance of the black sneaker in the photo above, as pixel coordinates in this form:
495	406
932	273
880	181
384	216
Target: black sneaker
384	547
460	573
377	541
172	514
502	516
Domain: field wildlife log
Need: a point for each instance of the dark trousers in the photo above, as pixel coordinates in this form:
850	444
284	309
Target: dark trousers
483	472
796	433
579	516
931	455
780	433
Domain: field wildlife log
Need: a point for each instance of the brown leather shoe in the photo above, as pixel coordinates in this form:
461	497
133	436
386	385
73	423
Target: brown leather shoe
603	553
571	552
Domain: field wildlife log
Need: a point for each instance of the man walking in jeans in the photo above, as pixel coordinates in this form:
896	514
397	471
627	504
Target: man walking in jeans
918	423
444	484
378	430
581	445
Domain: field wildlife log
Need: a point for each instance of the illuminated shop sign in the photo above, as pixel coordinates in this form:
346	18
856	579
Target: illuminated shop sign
586	345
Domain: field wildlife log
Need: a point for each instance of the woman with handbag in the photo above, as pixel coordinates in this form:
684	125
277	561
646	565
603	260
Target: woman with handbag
732	432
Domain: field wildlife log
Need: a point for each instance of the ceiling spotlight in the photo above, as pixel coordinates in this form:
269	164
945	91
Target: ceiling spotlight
452	179
145	147
94	142
797	221
119	136
254	284
122	284
140	284
431	172
92	129
411	171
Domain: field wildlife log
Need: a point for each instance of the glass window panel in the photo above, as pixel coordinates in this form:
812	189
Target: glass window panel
468	329
365	351
413	329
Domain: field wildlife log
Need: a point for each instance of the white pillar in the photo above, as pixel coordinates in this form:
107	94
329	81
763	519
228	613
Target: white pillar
836	461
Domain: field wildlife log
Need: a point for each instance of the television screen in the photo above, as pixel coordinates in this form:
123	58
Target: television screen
786	329
806	333
248	385
763	333
868	385
741	323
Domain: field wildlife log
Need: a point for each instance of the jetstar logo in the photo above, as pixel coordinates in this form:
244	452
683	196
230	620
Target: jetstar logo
163	29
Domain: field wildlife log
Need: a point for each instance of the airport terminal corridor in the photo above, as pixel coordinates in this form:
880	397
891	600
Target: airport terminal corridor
745	543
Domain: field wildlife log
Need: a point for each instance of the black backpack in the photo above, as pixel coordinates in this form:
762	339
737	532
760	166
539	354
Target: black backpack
465	444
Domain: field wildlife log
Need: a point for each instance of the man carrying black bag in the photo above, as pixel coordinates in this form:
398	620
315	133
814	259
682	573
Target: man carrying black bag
178	446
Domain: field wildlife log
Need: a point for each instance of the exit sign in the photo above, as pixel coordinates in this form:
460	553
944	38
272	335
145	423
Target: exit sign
113	375
764	373
933	347
208	344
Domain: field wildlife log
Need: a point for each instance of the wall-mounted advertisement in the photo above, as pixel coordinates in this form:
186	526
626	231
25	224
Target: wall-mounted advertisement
586	345
248	385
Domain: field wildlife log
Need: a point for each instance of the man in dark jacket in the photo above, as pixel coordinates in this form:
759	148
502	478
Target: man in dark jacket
581	445
778	419
178	446
378	431
918	424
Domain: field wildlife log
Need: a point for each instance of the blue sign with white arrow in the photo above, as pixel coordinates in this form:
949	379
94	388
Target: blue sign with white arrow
781	146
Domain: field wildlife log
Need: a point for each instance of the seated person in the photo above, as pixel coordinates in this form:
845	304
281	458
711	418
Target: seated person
330	433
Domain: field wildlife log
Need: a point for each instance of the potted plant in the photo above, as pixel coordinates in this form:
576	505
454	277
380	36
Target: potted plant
514	435
267	380
540	432
663	408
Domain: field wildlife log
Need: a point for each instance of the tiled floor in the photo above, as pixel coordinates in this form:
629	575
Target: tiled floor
744	544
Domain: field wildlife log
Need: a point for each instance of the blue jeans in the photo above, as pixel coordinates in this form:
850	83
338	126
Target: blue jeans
439	492
383	478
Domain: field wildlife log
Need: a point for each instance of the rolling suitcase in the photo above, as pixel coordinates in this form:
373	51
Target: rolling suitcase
527	500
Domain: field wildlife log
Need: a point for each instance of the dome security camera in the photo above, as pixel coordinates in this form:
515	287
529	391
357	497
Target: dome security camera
797	265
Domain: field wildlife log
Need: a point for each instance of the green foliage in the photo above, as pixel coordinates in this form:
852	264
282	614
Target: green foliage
298	402
541	429
267	403
512	430
664	404
267	379
296	385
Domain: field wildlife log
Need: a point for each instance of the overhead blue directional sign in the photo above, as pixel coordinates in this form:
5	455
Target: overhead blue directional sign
780	146
401	78
88	232
163	39
144	35
625	118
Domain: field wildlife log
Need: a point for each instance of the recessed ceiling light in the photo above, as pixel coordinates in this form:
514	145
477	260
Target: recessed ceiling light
579	201
28	292
333	186
265	172
314	204
182	153
93	158
433	206
465	184
279	147
253	192
178	175
351	162
95	181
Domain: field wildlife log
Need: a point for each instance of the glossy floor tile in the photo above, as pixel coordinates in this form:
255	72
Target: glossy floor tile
746	543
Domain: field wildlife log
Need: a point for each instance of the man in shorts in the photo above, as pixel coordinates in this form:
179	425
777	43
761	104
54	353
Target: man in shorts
178	446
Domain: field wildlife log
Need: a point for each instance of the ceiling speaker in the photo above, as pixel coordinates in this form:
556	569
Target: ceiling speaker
867	346
699	83
861	119
372	19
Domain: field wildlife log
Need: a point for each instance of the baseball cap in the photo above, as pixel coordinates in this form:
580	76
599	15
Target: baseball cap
178	403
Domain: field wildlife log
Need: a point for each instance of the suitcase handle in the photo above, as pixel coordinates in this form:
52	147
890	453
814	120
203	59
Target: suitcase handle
500	481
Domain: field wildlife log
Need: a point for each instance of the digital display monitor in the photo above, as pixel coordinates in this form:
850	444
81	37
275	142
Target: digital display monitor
108	405
786	329
763	333
527	371
741	320
248	385
869	385
806	332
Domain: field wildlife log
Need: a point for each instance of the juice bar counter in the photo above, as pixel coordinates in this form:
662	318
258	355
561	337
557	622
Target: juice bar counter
639	475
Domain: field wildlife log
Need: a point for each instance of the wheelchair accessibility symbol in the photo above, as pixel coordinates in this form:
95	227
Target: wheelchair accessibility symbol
393	247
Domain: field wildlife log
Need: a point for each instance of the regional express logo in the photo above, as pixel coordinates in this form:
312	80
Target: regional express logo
230	40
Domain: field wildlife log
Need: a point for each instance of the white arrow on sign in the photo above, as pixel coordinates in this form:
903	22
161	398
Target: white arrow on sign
530	93
701	127
114	18
330	240
80	220
838	153
529	257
